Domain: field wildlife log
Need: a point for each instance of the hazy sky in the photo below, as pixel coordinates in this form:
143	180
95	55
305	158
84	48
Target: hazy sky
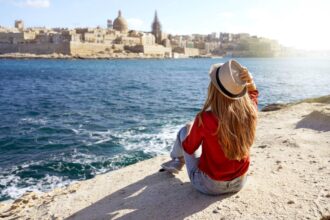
298	23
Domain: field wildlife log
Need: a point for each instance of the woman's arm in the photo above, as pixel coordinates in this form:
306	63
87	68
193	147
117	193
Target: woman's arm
194	137
247	77
251	86
188	126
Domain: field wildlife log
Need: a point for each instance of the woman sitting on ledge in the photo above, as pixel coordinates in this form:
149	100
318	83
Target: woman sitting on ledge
225	128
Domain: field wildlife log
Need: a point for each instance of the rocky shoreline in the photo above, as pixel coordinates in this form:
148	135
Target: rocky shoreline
288	179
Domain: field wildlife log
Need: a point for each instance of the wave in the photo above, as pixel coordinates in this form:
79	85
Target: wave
137	138
88	159
33	121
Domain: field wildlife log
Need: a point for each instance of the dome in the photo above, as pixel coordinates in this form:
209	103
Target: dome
120	24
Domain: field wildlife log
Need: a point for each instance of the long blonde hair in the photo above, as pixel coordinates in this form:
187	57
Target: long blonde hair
237	121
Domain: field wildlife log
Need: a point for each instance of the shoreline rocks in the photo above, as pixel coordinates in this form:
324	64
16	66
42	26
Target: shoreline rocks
279	106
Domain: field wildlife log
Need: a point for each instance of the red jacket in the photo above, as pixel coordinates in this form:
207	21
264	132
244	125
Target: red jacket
213	162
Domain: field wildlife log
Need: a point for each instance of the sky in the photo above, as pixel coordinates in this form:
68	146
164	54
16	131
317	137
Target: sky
302	24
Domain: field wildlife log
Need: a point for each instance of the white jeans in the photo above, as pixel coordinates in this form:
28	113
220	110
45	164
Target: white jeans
201	181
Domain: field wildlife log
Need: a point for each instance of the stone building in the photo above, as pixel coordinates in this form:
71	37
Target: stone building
110	36
148	39
19	24
120	24
115	40
226	37
95	35
109	24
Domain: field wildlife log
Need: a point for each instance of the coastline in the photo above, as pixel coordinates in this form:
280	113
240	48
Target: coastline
127	56
114	56
56	56
289	172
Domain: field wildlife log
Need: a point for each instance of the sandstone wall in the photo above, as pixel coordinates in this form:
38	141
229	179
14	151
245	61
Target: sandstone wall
191	51
152	50
34	48
8	48
11	38
157	50
45	48
188	52
135	49
83	49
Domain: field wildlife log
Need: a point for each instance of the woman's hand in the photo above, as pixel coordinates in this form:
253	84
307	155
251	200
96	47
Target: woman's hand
247	77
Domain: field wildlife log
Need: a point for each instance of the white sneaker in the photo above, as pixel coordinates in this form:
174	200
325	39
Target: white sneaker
174	166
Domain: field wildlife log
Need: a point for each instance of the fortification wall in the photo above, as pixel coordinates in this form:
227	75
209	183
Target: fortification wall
83	49
157	50
188	52
191	51
8	48
35	48
45	48
135	49
152	50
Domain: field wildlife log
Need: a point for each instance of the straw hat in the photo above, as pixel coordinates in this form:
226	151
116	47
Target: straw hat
226	78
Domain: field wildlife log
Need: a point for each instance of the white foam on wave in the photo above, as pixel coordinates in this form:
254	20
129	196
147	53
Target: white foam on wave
157	142
14	189
15	186
94	137
79	158
75	131
138	139
34	121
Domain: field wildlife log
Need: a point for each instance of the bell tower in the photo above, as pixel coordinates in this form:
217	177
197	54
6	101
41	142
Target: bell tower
157	29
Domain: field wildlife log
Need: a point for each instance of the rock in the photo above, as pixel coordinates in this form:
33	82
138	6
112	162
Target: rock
327	217
5	215
18	200
274	107
72	190
262	146
34	196
291	202
25	201
279	167
14	206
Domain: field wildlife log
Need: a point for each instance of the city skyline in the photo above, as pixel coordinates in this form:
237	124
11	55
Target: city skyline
298	24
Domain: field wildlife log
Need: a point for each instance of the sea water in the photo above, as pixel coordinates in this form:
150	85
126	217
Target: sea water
68	120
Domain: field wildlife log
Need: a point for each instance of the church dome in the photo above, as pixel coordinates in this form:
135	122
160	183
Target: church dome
120	24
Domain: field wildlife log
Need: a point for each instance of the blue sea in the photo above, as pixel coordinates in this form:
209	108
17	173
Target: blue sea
68	120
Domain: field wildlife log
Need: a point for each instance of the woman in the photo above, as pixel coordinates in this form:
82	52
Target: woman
225	129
